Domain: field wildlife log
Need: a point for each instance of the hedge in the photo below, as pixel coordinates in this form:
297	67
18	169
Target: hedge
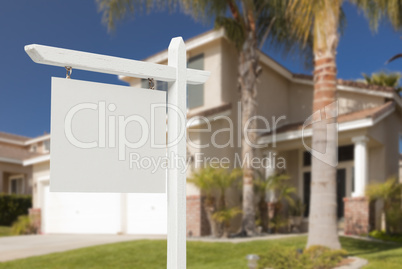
12	206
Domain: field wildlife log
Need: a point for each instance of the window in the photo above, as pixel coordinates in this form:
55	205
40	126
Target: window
345	153
16	184
353	179
306	192
306	158
195	93
46	145
400	144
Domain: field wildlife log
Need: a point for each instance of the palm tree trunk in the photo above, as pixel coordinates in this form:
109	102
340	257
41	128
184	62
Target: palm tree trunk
323	205
210	210
248	73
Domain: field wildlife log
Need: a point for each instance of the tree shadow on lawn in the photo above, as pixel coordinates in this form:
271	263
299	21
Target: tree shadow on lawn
357	247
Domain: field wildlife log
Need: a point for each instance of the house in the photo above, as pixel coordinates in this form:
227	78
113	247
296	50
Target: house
370	128
17	153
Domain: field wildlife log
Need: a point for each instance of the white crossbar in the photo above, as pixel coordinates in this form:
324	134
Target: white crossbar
110	65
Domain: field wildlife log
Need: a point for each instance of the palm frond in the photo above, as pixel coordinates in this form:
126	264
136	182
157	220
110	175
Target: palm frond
233	29
388	79
379	10
276	31
116	10
204	9
397	56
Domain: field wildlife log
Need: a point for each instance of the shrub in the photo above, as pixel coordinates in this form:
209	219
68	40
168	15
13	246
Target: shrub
323	257
12	206
381	235
23	225
315	257
390	193
284	258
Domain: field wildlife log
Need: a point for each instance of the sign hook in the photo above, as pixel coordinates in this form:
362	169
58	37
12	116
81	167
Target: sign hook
69	70
151	83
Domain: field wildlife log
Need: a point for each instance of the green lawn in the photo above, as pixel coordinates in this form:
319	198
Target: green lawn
152	254
5	230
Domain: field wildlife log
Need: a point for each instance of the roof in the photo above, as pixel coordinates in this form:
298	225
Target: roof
212	35
211	111
370	113
17	153
19	138
351	83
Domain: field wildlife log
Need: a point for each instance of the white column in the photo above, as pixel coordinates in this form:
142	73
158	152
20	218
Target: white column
270	160
269	156
361	165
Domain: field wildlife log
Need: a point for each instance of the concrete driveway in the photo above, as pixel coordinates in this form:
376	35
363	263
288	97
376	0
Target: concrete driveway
18	247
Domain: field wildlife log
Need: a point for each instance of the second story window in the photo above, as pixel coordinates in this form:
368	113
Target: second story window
33	148
195	93
400	144
46	146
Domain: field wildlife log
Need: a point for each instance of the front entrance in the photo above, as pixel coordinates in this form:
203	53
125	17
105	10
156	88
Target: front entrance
340	191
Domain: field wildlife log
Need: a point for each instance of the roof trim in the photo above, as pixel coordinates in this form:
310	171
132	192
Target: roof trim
27	142
10	160
201	120
35	160
342	127
344	88
37	139
12	141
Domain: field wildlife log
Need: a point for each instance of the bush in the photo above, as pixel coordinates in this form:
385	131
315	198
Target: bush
23	225
381	235
315	257
12	206
390	193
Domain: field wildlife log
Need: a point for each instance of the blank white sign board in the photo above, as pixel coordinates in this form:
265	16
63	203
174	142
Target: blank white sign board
107	138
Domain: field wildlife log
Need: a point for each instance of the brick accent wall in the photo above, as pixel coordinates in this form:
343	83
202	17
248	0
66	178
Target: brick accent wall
36	218
358	215
197	223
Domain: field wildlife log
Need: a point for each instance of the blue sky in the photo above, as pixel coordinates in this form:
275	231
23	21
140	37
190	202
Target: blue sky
75	24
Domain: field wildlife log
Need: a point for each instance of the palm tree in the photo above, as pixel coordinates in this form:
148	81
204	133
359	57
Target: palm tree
249	24
214	183
384	79
390	192
322	17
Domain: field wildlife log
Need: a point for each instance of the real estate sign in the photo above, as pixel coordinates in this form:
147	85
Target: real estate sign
98	129
99	134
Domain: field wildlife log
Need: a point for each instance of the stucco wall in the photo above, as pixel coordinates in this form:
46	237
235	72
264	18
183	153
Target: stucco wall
9	169
351	102
300	102
272	96
40	171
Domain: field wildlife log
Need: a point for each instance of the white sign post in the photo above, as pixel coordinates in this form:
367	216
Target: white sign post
177	74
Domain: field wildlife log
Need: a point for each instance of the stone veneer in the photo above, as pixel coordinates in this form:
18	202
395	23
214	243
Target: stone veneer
35	216
197	223
358	216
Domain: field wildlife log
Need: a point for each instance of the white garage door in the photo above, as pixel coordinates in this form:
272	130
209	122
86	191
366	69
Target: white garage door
146	213
90	213
103	213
